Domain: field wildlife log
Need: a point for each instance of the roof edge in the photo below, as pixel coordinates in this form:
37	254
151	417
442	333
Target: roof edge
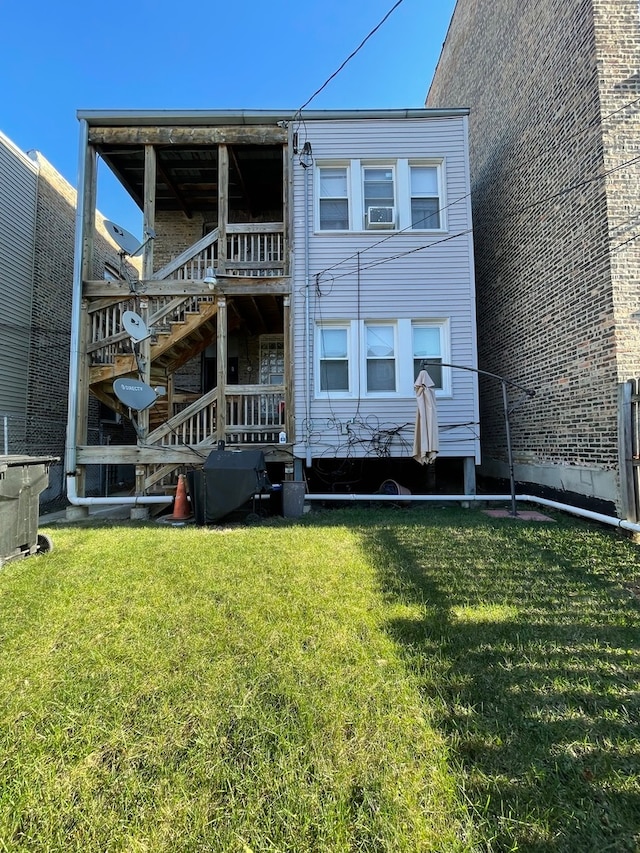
117	118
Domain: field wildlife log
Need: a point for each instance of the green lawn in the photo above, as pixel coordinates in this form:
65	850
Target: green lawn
359	680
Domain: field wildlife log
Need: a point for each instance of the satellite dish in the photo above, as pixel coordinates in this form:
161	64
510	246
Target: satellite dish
135	326
129	244
134	394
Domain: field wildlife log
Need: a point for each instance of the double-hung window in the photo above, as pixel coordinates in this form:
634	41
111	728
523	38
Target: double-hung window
381	357
428	349
379	195
333	358
333	198
425	198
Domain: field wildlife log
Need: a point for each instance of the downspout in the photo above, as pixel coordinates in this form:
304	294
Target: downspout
307	311
611	520
74	355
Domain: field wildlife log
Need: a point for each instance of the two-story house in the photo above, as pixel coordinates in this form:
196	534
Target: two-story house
296	274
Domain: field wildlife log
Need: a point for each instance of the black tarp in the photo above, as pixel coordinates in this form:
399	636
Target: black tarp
228	479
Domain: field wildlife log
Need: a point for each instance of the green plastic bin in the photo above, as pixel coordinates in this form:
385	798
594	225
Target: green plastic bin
22	479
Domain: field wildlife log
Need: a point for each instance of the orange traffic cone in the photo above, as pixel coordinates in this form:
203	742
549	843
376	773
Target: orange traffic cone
181	508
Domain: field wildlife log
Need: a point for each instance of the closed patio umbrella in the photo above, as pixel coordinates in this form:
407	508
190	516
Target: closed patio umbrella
425	439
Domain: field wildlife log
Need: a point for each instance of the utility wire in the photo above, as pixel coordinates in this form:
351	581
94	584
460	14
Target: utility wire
350	57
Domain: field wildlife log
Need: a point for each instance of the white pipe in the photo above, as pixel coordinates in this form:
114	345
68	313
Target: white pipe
115	500
350	496
307	320
584	513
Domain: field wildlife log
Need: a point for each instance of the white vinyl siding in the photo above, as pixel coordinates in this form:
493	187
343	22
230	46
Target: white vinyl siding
401	277
18	200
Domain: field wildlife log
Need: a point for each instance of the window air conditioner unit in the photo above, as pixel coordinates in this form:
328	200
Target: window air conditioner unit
381	217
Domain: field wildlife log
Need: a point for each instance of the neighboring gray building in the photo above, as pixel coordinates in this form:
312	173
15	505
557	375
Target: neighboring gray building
37	227
553	91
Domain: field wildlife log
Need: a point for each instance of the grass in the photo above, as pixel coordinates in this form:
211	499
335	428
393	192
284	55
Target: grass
356	681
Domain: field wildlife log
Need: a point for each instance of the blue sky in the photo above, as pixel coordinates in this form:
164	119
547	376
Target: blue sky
58	58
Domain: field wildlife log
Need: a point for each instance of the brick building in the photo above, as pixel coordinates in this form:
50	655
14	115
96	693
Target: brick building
553	90
37	234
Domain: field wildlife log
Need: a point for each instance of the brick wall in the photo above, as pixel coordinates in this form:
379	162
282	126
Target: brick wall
552	301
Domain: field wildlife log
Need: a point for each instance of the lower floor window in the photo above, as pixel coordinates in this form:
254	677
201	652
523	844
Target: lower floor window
380	358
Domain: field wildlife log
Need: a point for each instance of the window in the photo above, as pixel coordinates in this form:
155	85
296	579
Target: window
402	194
333	360
333	195
425	197
272	359
381	360
379	196
428	346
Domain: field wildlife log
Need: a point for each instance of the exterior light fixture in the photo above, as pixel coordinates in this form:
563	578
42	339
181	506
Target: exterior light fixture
210	278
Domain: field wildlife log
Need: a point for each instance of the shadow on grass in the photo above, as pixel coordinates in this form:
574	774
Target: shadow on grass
527	652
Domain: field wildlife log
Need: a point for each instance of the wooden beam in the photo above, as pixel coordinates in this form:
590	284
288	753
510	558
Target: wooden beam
231	286
175	192
223	206
221	355
212	135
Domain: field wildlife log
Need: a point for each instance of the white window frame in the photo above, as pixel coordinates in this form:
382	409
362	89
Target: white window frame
379	164
333	164
320	327
438	165
372	324
443	325
401	169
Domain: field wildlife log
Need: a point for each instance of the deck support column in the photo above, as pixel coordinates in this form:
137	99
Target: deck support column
221	358
142	306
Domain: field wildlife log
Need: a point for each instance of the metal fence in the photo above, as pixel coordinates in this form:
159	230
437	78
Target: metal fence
629	431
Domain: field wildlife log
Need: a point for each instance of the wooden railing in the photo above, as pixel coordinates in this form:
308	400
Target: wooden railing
254	415
255	250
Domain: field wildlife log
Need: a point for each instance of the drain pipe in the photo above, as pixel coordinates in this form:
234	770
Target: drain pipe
306	153
74	358
611	520
632	526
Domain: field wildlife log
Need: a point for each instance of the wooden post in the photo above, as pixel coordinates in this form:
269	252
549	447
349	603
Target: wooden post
223	206
221	355
143	303
88	227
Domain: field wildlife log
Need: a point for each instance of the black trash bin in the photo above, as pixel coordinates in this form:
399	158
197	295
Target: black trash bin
22	479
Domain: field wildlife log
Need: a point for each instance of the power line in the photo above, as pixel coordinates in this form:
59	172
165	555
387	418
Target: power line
350	57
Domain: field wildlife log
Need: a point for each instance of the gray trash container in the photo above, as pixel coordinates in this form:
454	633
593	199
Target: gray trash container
22	479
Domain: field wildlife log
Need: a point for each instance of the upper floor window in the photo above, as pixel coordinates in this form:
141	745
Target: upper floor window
398	195
425	197
379	196
333	198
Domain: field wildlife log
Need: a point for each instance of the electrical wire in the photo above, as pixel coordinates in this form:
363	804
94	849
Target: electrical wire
349	58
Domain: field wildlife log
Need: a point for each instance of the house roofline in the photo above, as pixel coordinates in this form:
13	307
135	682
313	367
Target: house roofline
124	118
